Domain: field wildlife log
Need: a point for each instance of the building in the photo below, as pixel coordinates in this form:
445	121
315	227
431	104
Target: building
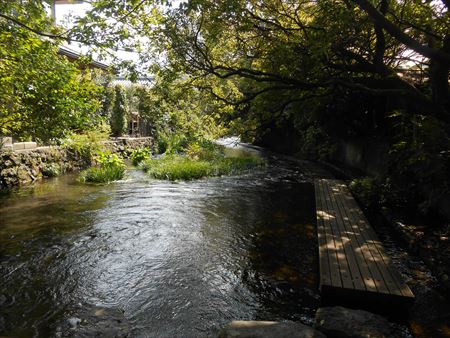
75	56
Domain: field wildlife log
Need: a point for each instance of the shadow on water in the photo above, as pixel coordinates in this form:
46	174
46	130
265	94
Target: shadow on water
175	259
155	258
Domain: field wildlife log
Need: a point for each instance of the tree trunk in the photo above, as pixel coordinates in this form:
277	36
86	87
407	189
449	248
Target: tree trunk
439	75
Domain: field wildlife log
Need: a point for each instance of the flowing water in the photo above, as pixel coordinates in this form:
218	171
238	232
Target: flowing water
156	258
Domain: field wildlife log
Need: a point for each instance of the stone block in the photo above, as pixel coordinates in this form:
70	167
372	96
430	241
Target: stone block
267	329
19	146
29	145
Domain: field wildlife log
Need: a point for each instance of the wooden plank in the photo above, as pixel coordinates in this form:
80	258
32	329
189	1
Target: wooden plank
360	250
350	244
324	266
392	277
364	246
370	237
344	268
330	243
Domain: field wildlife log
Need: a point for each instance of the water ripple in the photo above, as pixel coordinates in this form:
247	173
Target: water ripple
180	259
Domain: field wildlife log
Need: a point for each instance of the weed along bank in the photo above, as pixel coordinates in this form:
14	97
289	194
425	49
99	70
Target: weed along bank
19	167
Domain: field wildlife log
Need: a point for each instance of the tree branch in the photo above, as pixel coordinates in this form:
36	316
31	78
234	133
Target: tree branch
21	24
396	32
248	98
380	44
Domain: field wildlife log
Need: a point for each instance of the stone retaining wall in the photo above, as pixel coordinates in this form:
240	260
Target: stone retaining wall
21	167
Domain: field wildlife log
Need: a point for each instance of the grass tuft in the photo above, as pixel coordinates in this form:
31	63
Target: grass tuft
102	174
178	167
110	168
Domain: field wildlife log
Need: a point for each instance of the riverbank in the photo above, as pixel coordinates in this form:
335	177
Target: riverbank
23	167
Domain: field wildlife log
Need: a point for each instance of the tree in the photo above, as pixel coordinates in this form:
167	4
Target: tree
119	112
324	69
43	96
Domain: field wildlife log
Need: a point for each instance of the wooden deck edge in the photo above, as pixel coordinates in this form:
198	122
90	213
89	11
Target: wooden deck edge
364	299
327	288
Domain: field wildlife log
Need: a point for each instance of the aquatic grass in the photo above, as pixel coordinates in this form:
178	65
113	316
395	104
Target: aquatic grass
111	168
178	167
102	174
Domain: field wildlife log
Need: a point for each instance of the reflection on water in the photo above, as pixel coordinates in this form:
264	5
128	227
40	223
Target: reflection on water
177	259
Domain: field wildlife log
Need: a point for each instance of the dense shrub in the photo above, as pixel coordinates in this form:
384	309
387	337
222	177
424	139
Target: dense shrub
139	155
88	144
43	95
316	144
172	142
204	150
419	160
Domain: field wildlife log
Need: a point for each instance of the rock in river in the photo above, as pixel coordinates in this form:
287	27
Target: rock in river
340	322
263	329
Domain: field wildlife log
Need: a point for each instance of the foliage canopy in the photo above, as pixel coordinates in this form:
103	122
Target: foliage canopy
303	73
43	96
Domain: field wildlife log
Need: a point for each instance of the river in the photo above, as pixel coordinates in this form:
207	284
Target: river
157	258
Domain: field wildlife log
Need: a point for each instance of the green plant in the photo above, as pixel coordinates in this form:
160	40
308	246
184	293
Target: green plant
178	167
43	95
139	155
316	144
51	169
87	144
419	161
204	150
368	190
110	168
172	143
108	159
102	174
108	99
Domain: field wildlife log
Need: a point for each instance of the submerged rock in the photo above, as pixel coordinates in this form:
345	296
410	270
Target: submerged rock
73	322
340	322
265	329
93	321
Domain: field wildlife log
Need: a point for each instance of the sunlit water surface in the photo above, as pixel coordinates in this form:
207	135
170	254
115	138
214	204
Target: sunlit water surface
173	259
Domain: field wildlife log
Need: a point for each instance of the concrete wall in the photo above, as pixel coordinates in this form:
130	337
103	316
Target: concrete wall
21	167
6	143
370	156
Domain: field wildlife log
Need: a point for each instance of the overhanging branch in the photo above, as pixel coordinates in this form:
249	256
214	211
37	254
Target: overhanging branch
396	32
31	29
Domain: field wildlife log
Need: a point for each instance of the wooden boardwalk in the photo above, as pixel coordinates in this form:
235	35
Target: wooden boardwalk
352	260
